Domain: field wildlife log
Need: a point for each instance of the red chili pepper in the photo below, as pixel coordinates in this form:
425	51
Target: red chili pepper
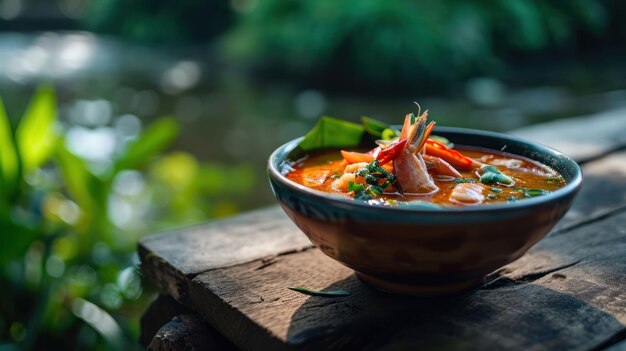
390	152
453	157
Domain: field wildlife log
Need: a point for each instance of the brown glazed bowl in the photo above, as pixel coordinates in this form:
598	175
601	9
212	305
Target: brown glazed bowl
428	251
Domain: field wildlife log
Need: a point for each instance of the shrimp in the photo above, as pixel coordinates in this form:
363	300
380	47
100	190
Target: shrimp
409	166
441	167
341	183
467	194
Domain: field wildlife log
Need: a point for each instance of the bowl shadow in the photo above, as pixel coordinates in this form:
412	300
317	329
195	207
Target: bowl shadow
504	314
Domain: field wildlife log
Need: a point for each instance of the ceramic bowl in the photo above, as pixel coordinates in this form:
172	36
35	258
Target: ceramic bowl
428	251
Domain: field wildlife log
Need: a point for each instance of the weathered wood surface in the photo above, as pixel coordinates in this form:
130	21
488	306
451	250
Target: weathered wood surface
169	259
188	332
160	311
603	190
568	292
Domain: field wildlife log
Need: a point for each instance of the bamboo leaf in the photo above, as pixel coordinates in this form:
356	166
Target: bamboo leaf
35	135
151	142
333	293
9	163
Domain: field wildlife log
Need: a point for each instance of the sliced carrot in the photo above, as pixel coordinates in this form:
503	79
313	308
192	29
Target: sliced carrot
453	157
356	157
388	167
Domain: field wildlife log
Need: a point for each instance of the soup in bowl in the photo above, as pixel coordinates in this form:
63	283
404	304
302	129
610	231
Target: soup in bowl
428	231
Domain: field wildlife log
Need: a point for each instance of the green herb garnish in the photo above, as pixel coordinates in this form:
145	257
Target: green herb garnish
377	179
356	187
334	293
535	192
336	175
496	190
492	175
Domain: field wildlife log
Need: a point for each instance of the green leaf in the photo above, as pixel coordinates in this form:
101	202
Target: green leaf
158	136
374	127
35	135
9	164
334	293
331	133
77	178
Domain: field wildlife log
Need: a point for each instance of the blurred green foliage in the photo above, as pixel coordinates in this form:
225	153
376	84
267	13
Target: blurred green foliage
376	45
68	276
159	20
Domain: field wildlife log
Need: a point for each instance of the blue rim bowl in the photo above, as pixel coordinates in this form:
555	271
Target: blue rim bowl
428	251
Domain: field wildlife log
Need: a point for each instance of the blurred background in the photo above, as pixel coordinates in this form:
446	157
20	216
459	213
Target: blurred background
123	118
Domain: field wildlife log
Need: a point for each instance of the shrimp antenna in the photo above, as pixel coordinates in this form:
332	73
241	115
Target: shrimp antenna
419	108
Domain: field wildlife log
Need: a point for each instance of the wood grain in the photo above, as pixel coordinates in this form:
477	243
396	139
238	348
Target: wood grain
169	259
160	312
188	332
572	308
223	243
603	190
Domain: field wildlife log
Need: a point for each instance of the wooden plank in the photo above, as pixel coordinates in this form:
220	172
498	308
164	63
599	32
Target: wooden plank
603	190
159	313
168	259
577	307
188	332
581	138
223	243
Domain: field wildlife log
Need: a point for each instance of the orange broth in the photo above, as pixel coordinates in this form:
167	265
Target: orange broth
320	169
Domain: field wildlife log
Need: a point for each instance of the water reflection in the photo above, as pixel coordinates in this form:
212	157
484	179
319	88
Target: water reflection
48	55
182	76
